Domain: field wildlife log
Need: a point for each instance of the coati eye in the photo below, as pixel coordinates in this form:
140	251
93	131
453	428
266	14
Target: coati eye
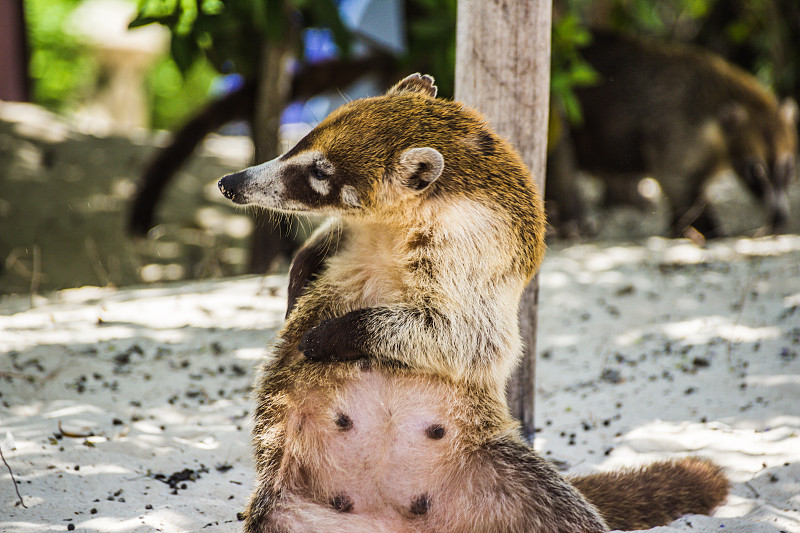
318	173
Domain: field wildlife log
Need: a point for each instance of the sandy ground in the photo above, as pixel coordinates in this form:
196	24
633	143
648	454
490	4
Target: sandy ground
127	410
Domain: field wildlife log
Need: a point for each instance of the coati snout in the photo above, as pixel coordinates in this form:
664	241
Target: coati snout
762	146
261	184
769	183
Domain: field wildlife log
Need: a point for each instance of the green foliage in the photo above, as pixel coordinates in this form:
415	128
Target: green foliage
758	35
230	34
568	69
210	36
60	69
175	95
769	37
226	34
432	41
665	18
432	27
64	72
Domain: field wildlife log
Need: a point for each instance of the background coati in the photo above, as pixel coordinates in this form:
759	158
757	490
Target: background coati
384	407
679	114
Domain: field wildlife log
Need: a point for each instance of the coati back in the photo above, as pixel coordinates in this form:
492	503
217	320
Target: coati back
679	114
384	408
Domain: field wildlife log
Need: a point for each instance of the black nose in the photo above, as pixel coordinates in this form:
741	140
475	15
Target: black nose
230	184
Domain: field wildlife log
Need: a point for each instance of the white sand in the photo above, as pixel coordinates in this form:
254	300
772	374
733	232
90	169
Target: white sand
648	352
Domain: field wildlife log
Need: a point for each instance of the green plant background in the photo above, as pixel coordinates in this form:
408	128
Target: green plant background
209	36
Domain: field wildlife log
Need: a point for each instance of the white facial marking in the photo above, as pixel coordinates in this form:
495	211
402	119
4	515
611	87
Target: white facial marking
305	158
262	185
350	196
322	187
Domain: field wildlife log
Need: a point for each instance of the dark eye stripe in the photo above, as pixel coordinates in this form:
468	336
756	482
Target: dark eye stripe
319	173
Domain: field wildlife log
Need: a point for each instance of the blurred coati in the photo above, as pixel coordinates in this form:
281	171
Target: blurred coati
384	408
679	114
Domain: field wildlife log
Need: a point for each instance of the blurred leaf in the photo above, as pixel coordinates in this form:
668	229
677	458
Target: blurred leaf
212	7
572	107
738	32
61	70
187	18
183	51
175	95
158	9
568	69
698	8
583	74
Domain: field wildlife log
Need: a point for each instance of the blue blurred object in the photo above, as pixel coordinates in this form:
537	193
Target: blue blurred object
318	45
293	113
226	84
379	22
377	25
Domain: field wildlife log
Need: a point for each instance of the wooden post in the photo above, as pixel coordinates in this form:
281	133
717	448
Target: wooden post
503	69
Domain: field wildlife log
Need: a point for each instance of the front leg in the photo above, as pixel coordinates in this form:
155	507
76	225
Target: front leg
417	337
343	338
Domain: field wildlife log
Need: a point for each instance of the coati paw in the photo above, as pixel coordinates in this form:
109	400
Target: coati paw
331	340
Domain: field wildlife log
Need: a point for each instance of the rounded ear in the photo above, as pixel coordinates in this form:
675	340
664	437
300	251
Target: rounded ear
419	167
788	111
732	115
415	84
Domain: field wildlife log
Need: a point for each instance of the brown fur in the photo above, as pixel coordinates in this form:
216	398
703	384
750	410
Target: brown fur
383	408
679	114
655	494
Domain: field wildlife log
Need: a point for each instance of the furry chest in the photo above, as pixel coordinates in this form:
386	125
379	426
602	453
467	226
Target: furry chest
368	276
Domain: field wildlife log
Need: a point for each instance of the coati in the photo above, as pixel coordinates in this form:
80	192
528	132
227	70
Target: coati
679	114
383	408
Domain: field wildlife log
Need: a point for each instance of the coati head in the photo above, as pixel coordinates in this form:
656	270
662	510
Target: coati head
763	151
366	155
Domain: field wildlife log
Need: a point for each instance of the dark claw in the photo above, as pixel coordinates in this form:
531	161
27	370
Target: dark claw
316	344
327	342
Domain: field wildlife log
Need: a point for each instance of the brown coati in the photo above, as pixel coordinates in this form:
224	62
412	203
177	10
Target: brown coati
679	114
383	408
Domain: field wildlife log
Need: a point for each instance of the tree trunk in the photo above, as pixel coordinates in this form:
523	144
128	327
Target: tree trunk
272	235
503	69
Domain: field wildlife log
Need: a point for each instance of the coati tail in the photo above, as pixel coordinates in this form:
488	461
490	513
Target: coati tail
656	494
